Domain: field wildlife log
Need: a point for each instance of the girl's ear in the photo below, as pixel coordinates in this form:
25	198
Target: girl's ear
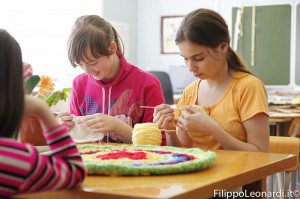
113	47
223	47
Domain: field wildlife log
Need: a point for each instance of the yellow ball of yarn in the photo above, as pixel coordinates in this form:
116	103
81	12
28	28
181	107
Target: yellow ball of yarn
146	133
200	108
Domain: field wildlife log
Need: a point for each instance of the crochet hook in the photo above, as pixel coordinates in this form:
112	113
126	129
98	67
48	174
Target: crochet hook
169	131
171	106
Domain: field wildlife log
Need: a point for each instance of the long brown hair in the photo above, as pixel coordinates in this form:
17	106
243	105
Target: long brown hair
208	28
94	33
11	85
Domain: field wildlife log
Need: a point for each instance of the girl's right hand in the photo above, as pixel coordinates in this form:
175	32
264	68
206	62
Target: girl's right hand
37	107
163	116
66	118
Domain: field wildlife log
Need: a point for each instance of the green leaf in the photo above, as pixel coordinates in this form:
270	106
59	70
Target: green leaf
31	83
42	97
55	97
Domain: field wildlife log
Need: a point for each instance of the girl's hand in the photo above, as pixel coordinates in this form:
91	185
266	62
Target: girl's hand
184	138
37	107
163	116
193	120
66	118
101	123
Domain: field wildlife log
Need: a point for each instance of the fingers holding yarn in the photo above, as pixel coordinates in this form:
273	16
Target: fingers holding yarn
64	116
161	109
99	128
164	120
95	126
169	117
67	119
81	133
181	123
89	120
193	109
161	112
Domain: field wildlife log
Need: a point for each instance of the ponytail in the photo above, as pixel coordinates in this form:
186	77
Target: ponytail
235	62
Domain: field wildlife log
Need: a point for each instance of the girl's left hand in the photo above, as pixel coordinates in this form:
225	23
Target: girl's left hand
100	123
193	120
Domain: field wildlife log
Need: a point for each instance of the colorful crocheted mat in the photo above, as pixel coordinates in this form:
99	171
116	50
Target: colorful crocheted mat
136	160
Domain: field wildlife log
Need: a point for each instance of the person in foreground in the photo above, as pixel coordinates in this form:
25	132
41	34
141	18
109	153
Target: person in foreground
112	90
22	168
236	101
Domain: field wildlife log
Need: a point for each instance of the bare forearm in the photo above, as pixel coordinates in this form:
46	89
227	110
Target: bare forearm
172	140
124	132
41	110
229	142
47	119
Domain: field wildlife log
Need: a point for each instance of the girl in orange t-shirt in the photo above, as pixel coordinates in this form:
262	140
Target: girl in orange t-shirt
235	100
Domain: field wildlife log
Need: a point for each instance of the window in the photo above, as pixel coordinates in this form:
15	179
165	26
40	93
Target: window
42	29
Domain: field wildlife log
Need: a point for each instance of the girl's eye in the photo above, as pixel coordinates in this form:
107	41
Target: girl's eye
196	60
93	64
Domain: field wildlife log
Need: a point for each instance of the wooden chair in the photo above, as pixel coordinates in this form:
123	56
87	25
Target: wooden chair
294	129
285	180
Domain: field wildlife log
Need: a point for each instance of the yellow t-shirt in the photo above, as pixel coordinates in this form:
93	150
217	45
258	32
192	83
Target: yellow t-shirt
245	97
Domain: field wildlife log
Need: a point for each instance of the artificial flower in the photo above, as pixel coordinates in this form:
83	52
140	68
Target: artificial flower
45	85
46	88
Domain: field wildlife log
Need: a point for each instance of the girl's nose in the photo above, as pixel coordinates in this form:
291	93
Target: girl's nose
190	66
86	69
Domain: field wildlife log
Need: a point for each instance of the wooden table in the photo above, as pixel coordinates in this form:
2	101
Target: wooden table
232	169
279	119
279	123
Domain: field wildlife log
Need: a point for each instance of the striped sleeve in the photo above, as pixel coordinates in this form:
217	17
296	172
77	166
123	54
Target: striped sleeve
23	169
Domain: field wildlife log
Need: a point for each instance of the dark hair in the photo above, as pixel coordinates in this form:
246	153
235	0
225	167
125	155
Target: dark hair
208	28
11	85
94	32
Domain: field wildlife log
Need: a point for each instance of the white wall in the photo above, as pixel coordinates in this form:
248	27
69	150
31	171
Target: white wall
149	16
42	29
143	17
148	26
125	13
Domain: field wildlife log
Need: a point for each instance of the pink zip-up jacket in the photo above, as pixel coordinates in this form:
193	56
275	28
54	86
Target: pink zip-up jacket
121	97
23	169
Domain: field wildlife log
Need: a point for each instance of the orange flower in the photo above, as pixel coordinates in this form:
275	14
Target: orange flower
45	85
